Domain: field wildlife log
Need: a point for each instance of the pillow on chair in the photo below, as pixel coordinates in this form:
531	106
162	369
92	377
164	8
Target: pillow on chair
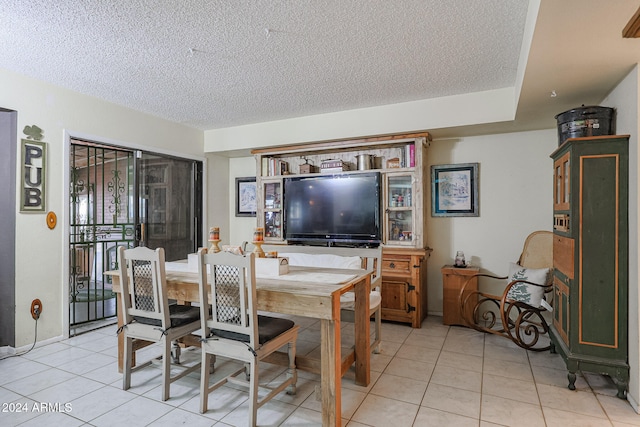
525	292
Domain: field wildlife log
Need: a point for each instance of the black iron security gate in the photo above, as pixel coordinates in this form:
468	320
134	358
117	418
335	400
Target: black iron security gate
121	197
101	218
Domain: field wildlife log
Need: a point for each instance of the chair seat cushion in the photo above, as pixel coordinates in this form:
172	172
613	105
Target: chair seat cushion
179	315
348	300
525	292
268	328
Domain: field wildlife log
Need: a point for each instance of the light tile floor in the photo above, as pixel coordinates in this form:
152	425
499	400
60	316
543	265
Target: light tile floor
433	376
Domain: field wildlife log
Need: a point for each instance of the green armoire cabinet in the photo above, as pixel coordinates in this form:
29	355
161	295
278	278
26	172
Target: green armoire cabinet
590	253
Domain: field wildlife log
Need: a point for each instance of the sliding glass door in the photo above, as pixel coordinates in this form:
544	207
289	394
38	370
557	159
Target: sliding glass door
122	197
170	208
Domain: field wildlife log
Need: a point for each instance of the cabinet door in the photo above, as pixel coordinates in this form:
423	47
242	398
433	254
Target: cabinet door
562	184
272	210
398	290
399	209
397	299
561	309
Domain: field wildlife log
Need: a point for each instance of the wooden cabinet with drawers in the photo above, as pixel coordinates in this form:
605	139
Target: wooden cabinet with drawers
404	285
590	256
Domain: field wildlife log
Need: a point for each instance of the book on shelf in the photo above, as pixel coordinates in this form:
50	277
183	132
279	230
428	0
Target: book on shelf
272	166
412	155
409	156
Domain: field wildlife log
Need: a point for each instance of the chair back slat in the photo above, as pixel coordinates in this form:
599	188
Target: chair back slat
143	279
229	305
143	295
230	281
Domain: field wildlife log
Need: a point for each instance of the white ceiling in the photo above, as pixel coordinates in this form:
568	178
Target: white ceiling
216	64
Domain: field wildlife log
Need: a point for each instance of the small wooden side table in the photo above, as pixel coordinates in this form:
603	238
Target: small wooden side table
453	279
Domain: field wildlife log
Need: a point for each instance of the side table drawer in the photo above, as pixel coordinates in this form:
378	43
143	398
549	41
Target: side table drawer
396	266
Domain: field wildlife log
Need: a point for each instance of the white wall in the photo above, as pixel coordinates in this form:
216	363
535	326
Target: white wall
61	112
515	195
625	99
241	227
217	195
221	202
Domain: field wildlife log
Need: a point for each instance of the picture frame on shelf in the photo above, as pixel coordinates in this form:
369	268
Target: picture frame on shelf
246	196
454	190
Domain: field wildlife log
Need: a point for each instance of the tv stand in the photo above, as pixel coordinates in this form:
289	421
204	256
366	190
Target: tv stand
401	160
329	244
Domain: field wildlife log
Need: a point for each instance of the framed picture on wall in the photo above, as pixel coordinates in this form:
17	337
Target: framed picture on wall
454	190
246	196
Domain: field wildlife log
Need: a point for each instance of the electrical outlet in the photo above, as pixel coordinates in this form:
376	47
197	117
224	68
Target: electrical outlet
36	309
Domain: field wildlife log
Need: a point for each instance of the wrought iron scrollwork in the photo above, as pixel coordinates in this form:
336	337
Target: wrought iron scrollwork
117	188
499	315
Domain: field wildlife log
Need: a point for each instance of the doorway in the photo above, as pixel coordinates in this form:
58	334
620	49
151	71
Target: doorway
124	197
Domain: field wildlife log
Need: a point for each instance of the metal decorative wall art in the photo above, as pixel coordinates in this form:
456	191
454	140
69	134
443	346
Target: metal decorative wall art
34	171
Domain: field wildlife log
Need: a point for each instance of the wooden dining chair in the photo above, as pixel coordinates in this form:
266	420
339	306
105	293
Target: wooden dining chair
147	313
233	329
349	258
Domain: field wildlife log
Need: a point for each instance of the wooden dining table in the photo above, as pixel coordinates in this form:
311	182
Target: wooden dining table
299	297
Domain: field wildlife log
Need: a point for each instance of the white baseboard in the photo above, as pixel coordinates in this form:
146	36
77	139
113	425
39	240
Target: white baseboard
11	351
7	351
633	403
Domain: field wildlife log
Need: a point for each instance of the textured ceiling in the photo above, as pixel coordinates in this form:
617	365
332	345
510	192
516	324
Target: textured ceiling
215	64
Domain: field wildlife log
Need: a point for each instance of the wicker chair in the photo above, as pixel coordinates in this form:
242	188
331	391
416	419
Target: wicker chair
517	313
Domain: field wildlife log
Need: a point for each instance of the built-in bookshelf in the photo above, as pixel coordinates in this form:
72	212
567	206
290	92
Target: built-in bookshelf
401	159
398	156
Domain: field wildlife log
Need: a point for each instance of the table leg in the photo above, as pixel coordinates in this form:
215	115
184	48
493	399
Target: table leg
330	360
362	334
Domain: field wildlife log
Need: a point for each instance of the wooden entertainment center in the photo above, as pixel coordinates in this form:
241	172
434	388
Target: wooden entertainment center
401	160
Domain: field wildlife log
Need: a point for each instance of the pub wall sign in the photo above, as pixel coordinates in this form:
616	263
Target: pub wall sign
34	171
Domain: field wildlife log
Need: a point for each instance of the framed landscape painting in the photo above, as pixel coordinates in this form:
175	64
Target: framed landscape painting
454	190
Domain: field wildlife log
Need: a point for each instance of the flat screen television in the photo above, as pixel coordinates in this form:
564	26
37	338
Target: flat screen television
342	209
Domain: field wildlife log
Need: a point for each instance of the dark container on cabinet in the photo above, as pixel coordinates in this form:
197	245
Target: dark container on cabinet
585	121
